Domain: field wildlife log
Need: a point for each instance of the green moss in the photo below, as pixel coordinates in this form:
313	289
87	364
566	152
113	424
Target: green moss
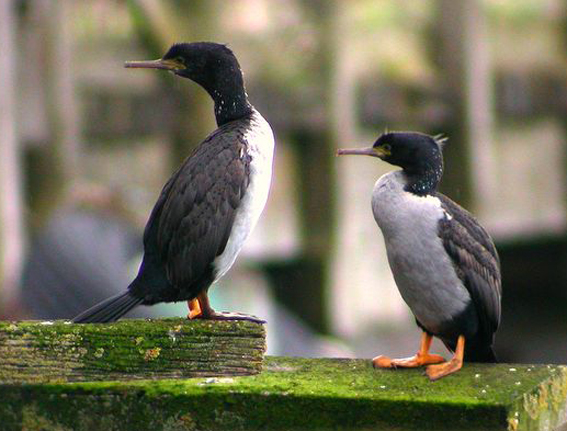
545	404
152	354
296	393
128	349
32	420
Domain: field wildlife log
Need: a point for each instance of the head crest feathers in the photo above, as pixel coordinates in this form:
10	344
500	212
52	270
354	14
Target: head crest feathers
441	139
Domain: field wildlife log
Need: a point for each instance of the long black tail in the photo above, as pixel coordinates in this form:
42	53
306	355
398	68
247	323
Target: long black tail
110	309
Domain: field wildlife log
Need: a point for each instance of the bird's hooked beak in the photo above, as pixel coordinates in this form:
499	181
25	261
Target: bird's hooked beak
370	151
169	64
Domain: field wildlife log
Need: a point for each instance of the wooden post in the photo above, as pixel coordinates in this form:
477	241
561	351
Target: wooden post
307	280
53	165
56	165
479	109
63	107
11	214
43	352
464	61
161	24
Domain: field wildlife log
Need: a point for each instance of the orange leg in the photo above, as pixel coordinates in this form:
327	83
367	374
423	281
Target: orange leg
435	372
423	357
200	308
194	309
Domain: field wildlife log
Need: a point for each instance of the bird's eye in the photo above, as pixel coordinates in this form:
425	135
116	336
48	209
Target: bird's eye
180	59
387	147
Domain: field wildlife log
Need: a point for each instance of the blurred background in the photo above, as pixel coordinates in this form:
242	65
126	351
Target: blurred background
86	145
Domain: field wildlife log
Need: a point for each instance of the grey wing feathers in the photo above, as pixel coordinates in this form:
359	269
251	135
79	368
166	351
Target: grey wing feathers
475	260
150	231
475	230
198	207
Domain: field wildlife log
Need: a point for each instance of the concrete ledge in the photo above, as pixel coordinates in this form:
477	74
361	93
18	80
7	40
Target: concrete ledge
296	393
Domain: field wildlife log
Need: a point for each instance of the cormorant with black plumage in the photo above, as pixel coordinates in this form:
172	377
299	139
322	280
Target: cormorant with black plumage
443	261
210	205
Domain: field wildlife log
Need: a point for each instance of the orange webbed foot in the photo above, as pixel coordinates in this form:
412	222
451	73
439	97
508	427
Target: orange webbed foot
382	362
435	372
418	360
421	358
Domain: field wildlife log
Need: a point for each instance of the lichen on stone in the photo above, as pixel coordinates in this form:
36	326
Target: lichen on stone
152	354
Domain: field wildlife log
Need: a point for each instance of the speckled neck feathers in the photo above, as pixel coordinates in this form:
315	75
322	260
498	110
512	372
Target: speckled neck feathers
225	85
231	100
423	178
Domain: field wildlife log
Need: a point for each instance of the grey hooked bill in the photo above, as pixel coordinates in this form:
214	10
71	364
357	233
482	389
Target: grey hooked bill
149	64
357	152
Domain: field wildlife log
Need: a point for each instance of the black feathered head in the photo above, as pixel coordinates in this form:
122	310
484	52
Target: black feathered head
418	154
211	65
412	151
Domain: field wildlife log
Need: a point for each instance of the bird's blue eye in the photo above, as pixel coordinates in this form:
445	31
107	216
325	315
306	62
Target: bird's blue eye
387	147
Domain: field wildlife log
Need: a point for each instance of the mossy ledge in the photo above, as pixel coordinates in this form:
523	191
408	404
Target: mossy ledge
59	351
301	394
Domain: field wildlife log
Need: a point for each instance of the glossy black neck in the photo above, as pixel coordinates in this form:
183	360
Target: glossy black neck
424	178
230	107
231	100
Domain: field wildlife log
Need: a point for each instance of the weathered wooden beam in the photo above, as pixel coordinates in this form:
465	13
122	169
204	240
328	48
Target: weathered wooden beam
12	228
296	393
40	352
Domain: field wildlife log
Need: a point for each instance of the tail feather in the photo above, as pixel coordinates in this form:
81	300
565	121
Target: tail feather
110	309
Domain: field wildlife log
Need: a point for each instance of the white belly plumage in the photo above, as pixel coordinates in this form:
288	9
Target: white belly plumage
261	149
422	270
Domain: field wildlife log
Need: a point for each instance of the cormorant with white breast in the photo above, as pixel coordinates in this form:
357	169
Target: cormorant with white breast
210	205
443	261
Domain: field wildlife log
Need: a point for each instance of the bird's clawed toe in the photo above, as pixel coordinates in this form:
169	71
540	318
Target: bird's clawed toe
419	360
430	359
215	315
200	308
382	362
415	361
435	372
